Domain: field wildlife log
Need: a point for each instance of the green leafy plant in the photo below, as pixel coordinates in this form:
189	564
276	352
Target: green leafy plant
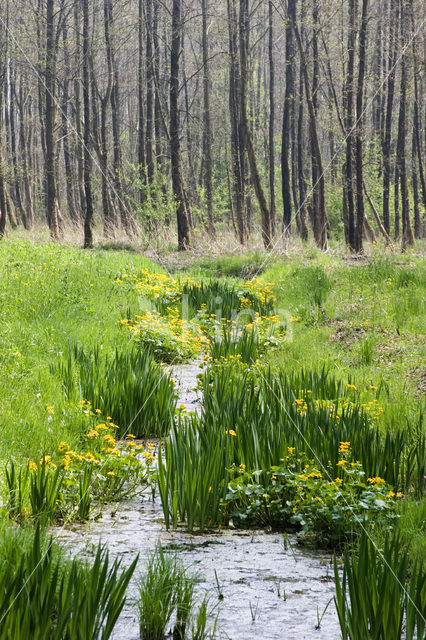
377	589
243	343
192	478
166	593
130	387
45	596
44	490
328	506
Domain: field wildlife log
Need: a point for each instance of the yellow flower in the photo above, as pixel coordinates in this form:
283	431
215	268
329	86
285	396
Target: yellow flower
92	433
351	386
344	446
45	459
130	435
390	494
291	450
110	439
50	409
341	463
376	480
399	495
265	495
98	411
32	465
63	445
111	473
231	432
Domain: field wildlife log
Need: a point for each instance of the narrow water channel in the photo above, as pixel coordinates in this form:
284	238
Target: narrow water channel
272	588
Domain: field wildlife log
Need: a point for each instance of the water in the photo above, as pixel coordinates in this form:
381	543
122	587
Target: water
271	590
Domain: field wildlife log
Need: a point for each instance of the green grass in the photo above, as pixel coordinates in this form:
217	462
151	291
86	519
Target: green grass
370	326
50	295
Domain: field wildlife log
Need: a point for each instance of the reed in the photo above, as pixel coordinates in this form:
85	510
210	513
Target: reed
378	590
45	596
130	387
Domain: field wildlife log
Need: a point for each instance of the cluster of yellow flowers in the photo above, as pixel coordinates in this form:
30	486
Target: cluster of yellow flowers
263	290
344	447
186	338
152	285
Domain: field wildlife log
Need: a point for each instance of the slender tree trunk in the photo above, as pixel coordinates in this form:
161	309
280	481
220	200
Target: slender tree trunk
13	148
87	165
414	181
158	127
81	200
109	211
149	92
254	172
120	197
175	150
52	207
141	113
207	133
237	142
288	101
69	173
407	233
300	147
360	210
3	202
271	142
416	115
320	215
393	46
348	103
25	154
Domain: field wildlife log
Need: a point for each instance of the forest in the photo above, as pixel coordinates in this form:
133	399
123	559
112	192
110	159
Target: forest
260	117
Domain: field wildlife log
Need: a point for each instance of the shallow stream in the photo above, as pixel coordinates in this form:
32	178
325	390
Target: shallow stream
272	588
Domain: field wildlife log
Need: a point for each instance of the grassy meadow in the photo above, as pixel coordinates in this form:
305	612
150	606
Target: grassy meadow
311	418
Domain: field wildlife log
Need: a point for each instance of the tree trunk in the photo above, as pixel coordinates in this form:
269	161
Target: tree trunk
348	105
288	101
149	92
141	114
87	164
69	173
207	133
271	141
360	210
393	46
175	150
52	207
254	172
237	141
319	213
3	203
300	148
407	233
